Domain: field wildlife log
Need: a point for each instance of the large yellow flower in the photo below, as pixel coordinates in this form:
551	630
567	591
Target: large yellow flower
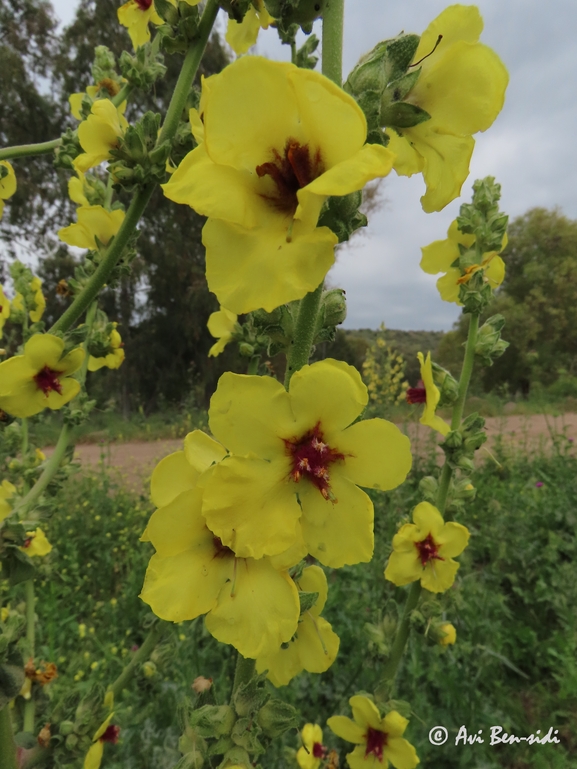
136	15
312	751
7	184
297	460
39	378
242	36
428	393
114	358
462	86
93	222
262	178
7	490
4	309
221	325
314	646
379	740
425	549
99	134
249	604
440	256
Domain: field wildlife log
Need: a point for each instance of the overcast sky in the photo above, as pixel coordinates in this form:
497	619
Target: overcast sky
531	149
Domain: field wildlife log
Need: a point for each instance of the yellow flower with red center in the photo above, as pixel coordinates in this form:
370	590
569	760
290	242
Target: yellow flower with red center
263	180
424	550
114	358
379	740
99	133
40	378
441	255
242	35
462	86
4	309
314	646
428	393
36	543
7	184
94	222
297	463
7	490
250	604
221	325
107	732
450	634
136	15
312	751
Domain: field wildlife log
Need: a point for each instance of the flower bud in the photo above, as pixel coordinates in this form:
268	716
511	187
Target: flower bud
213	720
334	306
149	669
277	717
447	384
71	741
449	634
65	728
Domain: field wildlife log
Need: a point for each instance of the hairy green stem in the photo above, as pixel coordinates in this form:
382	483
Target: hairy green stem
30	705
7	744
443	489
25	150
123	94
466	372
244	671
140	656
332	51
298	355
252	367
24	425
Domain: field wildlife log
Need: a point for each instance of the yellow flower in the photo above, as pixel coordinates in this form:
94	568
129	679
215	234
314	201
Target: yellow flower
7	490
40	377
107	732
379	740
440	256
7	184
242	36
312	751
462	86
249	604
114	358
136	15
40	455
93	222
428	393
425	549
82	630
314	646
4	613
36	543
99	134
262	182
300	464
4	309
450	634
221	325
76	190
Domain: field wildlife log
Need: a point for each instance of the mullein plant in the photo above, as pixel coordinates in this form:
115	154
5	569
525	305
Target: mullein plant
250	517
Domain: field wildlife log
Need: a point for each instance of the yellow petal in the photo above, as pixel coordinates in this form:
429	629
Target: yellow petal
365	712
346	729
202	451
407	160
452	539
242	36
439	256
221	323
93	222
313	580
495	271
171	476
318	644
43	350
179	525
76	191
70	389
428	519
39	544
312	733
449	287
94	756
439	575
400	752
404	567
394	724
7	183
282	665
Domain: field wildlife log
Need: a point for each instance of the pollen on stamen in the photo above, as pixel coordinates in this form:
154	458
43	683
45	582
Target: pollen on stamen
47	381
311	458
428	551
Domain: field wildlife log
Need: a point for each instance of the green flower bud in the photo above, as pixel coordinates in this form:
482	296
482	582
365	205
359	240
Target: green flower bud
428	487
277	717
65	728
447	384
334	306
213	720
71	741
149	669
302	12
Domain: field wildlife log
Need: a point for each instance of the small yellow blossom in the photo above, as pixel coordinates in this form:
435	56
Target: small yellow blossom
424	550
450	634
312	751
82	630
136	15
4	613
111	87
76	190
242	35
221	325
114	358
36	543
7	490
107	732
99	134
379	740
94	222
7	184
4	309
428	393
462	86
39	455
39	378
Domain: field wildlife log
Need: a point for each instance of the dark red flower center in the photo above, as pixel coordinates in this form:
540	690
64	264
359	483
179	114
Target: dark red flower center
376	741
428	550
311	458
319	751
220	550
111	734
144	5
417	394
47	381
290	172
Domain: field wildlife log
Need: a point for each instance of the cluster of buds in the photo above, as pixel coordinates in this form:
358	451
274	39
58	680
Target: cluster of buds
460	445
144	68
292	14
447	385
489	345
181	25
137	161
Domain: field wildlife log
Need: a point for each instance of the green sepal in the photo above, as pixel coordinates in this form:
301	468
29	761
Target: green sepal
144	68
234	756
341	215
167	11
301	12
277	717
304	57
401	114
213	720
222	745
307	600
251	696
401	87
236	9
246	734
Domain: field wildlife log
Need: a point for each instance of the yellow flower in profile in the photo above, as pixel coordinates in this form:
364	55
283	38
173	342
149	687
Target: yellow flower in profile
76	190
136	15
262	182
99	134
36	543
37	311
425	550
114	358
428	393
93	222
440	256
379	740
312	751
242	35
249	604
107	732
221	325
297	463
7	184
462	86
450	634
7	490
314	646
4	309
40	378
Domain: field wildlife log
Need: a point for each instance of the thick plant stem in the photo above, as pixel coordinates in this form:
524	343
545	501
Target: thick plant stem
332	52
30	705
243	673
466	372
443	489
139	656
25	150
7	744
298	355
142	197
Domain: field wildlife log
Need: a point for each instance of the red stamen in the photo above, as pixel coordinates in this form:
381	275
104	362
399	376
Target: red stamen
111	734
376	741
220	550
319	751
290	172
47	381
144	5
428	550
416	394
311	458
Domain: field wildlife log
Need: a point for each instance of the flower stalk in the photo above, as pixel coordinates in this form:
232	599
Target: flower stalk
26	150
7	744
139	657
30	705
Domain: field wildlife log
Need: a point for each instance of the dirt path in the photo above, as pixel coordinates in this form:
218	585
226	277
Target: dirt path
135	461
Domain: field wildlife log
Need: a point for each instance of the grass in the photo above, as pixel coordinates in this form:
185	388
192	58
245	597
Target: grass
513	605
